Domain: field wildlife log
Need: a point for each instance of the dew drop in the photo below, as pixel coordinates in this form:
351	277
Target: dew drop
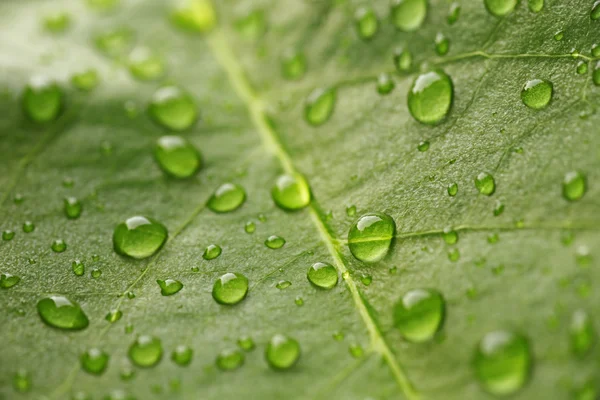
60	312
274	242
291	192
366	23
319	106
485	184
173	108
452	189
582	67
323	275
282	352
430	97
195	16
299	301
211	252
146	351
230	288
145	65
595	13
228	197
450	236
250	227
230	359
351	211
560	35
42	100
72	207
385	83
442	44
493	238
498	208
454	255
113	316
78	268
453	13
293	65
423	146
8	280
58	246
8	235
595	50
356	350
177	157
139	237
338	336
169	287
403	60
22	381
370	237
500	8
94	361
596	74
246	343
85	81
408	15
574	185
582	333
419	314
182	355
96	273
366	280
537	93
502	362
283	285
536	5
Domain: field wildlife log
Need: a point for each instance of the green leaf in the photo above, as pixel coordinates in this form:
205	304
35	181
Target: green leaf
517	253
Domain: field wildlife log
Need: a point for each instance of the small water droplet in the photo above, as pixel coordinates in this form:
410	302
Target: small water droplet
173	108
596	74
293	65
454	255
430	97
282	352
72	207
114	315
370	237
262	218
403	60
574	185
419	314
385	83
211	252
582	333
423	146
139	237
582	67
8	235
169	287
485	183
94	361
177	157
595	50
182	355
502	362
228	197
583	257
442	44
57	22
338	336
274	242
299	301
22	381
453	13
408	15
253	25
500	8
366	22
323	275
114	42
498	208
291	192
536	5
195	16
146	351
58	246
319	106
250	227
450	236
146	65
283	285
8	280
452	189
85	81
18	199
493	238
42	100
351	211
60	312
537	93
366	279
560	35
230	359
230	288
246	343
356	350
595	13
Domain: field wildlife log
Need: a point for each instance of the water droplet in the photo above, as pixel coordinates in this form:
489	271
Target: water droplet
323	275
146	351
319	106
250	227
230	288
127	373
211	252
146	65
299	301
182	355
57	22
139	237
114	315
574	185
72	207
536	5
274	242
246	343
596	74
537	93
595	50
500	8
253	25
493	238
94	361
283	285
169	287
498	208
196	16
453	13
454	255
502	362
452	189
408	15
423	146
403	60
262	218
595	13
338	336
22	381
430	97
419	314
85	81
42	100
351	211
366	22
385	83
291	192
582	333
582	67
450	236
228	197
58	246
115	42
370	237
177	157
560	35
230	359
366	280
293	65
485	183
583	257
442	44
356	350
173	108
60	312
8	280
282	352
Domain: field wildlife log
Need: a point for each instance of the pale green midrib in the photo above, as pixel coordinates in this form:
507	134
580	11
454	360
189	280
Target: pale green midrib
256	109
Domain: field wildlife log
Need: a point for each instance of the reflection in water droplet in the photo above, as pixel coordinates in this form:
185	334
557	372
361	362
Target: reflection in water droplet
173	108
419	314
60	312
366	22
139	237
230	288
169	287
408	15
42	100
430	97
94	361
574	185
370	237
146	351
228	197
319	106
282	352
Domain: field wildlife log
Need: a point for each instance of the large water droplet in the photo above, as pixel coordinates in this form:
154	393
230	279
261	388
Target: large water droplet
430	97
8	280
319	106
230	359
419	314
60	312
177	157
230	288
139	237
485	183
282	352
146	351
72	207
211	252
146	65
169	287
182	355
196	16
94	361
293	65
595	13
366	22
228	197
323	275
574	185
42	100
274	242
537	93
408	15
370	237
500	8
291	192
582	333
502	362
173	108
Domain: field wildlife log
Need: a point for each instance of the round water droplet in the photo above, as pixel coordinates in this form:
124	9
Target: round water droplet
169	287
274	242
582	67
78	268
94	361
574	185
113	316
139	237
408	15
323	275
351	211
454	255
195	16
485	183
370	237
595	13
452	189
299	301
403	60
146	351
500	8
430	97
8	235
228	197
385	83
453	13
366	280
282	352
442	44
246	343
230	359
96	273
419	314
293	65
182	355
250	227
22	381
537	93
366	22
291	192
319	106
173	108
230	288
58	246
596	74
423	146
8	280
72	207
85	81
60	312
536	5
211	252
582	333
283	285
145	65
42	100
177	157
450	236
595	50
560	35
502	362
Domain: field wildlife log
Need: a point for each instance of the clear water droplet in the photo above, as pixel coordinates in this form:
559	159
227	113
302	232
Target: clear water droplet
596	74
169	287
430	97
319	106
139	237
323	275
453	13
419	314
228	197
57	22
403	60
230	288
211	252
146	65
423	146
485	183
500	8
85	81
574	185
595	50
299	301
498	208
114	315
536	5
366	280
366	22
582	333
408	15
246	343
182	355
282	352
274	242
194	16
351	211
283	285
173	108
230	359
452	189
442	44
291	192
250	227
356	350
560	35
454	255
293	65
42	100
8	235
338	336
450	236
177	157
595	13
8	280
370	237
72	207
94	361
60	312
537	93
493	238
582	67
58	246
385	83
146	351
